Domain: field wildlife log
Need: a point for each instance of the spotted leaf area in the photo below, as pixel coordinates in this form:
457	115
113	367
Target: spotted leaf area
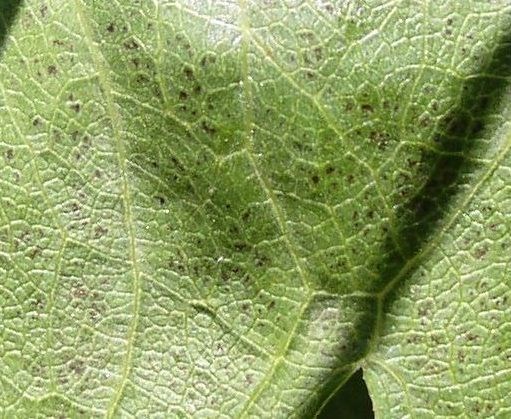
225	209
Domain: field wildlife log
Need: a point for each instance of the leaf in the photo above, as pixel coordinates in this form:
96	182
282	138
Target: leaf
216	208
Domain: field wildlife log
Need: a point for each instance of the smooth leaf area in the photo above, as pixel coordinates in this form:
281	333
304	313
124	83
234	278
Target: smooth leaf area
225	208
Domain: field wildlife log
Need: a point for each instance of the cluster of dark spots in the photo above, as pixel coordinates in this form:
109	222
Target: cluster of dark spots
37	121
271	304
261	260
79	292
52	70
424	121
58	42
241	246
142	79
480	252
381	139
177	163
246	215
318	53
75	106
311	75
329	170
350	178
131	44
208	128
75	135
349	106
183	42
9	154
177	267
207	60
366	108
160	200
315	179
43	10
100	231
302	146
86	142
448	23
111	27
183	95
75	210
77	366
189	73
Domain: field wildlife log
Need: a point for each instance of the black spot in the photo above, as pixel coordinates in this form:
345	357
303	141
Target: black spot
9	154
315	179
37	121
183	95
111	27
160	200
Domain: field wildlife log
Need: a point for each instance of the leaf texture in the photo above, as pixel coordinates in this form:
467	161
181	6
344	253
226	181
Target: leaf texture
216	208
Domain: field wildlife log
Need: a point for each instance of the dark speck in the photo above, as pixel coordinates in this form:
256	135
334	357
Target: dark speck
52	70
75	107
329	170
111	27
131	44
188	73
208	128
367	108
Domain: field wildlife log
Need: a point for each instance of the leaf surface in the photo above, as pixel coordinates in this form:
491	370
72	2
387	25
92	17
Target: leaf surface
226	208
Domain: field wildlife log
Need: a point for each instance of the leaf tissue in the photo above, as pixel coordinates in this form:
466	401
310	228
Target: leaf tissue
226	208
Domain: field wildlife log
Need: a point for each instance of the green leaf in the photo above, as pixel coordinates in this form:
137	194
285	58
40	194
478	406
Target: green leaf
226	208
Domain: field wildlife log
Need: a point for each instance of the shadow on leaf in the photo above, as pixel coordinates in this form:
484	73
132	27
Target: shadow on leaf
457	144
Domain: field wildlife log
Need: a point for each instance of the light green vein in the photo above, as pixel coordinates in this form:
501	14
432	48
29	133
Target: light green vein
115	118
276	209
